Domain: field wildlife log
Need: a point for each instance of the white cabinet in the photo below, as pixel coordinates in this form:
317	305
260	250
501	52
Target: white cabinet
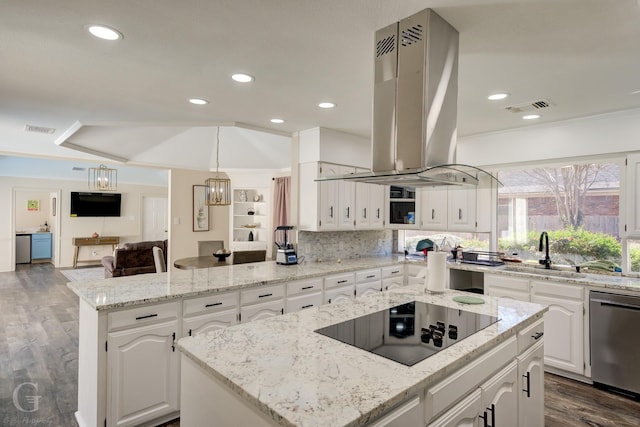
250	223
393	277
531	375
408	414
632	195
463	414
499	286
461	204
326	205
142	364
500	397
433	209
339	294
209	313
261	302
303	294
564	324
368	282
369	206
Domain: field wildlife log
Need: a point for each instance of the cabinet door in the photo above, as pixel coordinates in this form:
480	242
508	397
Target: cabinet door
371	288
363	206
506	287
209	322
464	414
531	376
337	295
346	201
303	301
41	246
563	333
462	209
143	374
329	198
261	311
376	205
500	397
434	209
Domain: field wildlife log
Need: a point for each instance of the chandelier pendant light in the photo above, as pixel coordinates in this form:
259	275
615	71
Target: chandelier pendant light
218	189
103	178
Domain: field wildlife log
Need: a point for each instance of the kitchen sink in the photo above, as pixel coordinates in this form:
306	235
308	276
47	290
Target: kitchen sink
553	271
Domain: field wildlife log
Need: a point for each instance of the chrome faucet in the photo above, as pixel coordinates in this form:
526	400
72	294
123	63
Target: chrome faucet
547	260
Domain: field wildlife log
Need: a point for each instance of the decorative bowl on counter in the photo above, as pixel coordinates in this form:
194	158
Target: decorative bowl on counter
222	254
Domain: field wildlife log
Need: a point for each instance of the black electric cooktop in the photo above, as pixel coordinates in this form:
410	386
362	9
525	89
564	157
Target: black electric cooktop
409	333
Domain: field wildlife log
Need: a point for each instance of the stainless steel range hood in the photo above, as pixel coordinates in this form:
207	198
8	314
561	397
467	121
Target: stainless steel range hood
415	106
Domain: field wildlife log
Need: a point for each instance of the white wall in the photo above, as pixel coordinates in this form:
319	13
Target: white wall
31	220
183	241
328	145
128	226
602	135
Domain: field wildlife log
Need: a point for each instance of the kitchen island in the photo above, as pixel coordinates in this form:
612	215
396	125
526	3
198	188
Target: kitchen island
280	372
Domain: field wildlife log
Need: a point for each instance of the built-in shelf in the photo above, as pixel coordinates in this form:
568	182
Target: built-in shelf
243	200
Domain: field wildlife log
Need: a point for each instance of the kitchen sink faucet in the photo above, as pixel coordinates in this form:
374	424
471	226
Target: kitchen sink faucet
546	261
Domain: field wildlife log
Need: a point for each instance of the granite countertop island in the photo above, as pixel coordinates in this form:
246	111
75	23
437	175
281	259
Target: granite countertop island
296	377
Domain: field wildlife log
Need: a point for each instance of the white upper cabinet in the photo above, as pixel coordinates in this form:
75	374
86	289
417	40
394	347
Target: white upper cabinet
462	209
433	209
346	200
369	213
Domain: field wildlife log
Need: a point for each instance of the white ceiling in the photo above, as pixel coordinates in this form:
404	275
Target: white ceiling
583	55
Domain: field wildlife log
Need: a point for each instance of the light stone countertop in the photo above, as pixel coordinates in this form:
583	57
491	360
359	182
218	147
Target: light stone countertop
300	378
119	292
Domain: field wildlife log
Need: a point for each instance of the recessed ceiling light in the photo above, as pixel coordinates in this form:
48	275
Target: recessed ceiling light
497	96
105	33
242	78
198	101
326	105
531	116
276	120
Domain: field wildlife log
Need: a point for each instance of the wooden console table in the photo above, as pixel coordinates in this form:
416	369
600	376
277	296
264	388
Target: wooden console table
92	241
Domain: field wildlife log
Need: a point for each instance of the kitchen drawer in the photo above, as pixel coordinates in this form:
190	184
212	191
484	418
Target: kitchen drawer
303	301
392	271
463	381
260	294
210	303
368	275
145	315
335	280
557	290
304	286
530	335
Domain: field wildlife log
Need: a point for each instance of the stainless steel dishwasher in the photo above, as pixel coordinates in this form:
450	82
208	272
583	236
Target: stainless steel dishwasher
615	348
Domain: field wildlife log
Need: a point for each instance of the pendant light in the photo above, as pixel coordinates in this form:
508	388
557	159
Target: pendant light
218	189
103	178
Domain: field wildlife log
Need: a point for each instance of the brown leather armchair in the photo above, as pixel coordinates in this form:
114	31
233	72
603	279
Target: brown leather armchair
133	258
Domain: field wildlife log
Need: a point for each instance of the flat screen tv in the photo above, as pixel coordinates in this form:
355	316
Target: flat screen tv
95	204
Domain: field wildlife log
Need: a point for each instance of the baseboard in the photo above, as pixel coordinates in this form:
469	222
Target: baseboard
569	375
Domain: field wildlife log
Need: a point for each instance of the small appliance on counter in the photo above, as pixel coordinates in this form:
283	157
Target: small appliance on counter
285	254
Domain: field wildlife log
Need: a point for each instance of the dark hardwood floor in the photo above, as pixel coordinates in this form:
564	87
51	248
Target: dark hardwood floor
39	357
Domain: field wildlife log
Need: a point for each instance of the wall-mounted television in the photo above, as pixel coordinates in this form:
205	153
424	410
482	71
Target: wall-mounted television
95	204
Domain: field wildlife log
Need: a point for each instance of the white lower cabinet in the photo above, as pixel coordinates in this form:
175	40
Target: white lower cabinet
261	311
337	295
204	323
303	301
209	313
564	324
368	282
506	287
143	365
393	277
531	398
261	302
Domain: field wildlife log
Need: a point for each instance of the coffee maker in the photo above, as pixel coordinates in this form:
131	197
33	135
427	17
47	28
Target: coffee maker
285	254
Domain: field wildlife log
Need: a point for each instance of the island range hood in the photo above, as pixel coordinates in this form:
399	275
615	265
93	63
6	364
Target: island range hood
415	106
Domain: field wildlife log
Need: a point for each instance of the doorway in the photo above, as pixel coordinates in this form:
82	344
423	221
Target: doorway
154	218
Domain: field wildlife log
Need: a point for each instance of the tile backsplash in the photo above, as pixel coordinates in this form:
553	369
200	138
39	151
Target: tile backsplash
332	245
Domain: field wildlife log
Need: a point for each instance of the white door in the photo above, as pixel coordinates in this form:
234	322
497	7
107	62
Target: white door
336	295
209	322
462	209
433	209
154	218
376	205
363	208
500	398
261	311
143	378
346	201
329	198
463	414
531	374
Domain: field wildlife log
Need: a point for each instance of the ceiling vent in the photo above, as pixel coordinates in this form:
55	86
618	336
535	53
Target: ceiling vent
39	129
530	106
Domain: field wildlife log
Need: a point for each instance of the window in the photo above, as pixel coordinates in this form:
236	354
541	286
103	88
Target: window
577	205
445	240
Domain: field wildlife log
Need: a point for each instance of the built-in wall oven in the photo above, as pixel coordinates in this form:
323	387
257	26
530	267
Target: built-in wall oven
615	347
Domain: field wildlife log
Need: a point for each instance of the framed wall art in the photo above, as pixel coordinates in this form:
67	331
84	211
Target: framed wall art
200	209
33	205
